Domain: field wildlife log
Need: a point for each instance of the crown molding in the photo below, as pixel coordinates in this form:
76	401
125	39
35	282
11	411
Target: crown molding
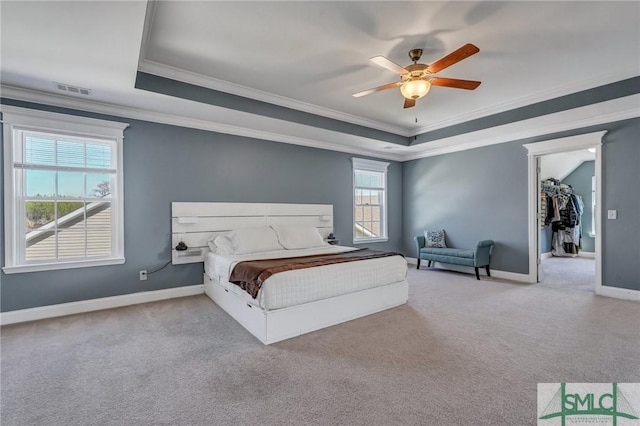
292	133
173	73
558	145
56	100
573	87
599	113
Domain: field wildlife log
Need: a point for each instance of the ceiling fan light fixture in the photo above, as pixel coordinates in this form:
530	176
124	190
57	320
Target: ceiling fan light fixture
415	89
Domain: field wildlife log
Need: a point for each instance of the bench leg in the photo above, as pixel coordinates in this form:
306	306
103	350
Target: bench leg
487	268
418	267
429	264
477	274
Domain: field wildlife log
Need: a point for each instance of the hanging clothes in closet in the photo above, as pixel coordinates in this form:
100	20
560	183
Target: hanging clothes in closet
564	211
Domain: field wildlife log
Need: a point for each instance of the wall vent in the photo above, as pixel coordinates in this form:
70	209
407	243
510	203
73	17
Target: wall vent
72	89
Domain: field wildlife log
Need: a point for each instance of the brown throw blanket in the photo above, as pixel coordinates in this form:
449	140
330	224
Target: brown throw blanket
250	275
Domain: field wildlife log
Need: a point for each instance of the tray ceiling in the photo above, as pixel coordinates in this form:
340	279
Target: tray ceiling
312	56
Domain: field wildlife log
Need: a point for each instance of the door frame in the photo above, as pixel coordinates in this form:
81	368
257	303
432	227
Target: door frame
553	146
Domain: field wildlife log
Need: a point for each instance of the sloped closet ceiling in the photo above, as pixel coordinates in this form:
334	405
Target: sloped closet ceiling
559	166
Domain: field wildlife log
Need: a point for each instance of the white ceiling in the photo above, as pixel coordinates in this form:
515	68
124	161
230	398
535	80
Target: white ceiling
560	165
312	56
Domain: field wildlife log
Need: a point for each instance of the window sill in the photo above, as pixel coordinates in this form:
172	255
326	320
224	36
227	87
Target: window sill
371	240
61	265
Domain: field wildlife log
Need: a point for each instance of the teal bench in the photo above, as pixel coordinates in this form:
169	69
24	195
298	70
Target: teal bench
477	258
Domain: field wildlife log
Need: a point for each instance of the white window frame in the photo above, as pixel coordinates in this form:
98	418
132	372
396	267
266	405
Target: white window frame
17	120
360	164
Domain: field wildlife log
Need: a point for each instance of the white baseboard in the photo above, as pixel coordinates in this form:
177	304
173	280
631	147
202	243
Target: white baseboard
512	276
588	254
51	311
618	293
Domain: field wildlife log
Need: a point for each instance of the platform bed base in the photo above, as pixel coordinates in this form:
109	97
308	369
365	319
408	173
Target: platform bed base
280	324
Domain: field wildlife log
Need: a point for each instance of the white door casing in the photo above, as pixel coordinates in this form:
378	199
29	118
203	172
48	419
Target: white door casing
553	146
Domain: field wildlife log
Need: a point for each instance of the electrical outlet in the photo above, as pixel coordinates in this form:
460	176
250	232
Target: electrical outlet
143	275
612	214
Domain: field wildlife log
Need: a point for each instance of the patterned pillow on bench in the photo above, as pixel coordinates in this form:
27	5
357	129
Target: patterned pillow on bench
434	239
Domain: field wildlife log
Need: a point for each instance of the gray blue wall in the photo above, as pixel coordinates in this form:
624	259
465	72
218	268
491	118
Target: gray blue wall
482	193
621	191
475	194
580	181
546	238
166	163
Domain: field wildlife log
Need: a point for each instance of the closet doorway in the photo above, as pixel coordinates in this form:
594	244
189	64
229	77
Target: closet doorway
562	254
567	227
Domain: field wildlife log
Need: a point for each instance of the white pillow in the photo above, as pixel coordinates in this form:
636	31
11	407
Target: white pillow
211	244
254	240
294	237
220	244
224	245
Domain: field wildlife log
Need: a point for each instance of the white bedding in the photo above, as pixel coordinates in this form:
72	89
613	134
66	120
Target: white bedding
305	285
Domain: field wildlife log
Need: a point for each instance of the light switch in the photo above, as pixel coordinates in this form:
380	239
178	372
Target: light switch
612	214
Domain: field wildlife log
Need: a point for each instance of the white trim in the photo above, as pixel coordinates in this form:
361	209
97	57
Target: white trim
590	115
38	267
495	273
587	254
18	120
598	218
534	150
52	311
618	293
370	240
167	71
56	122
175	120
594	114
553	93
570	143
371	166
511	276
532	217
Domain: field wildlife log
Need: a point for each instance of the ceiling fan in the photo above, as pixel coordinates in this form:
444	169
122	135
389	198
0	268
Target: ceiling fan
416	79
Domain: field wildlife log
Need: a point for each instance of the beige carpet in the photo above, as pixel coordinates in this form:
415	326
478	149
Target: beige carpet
569	273
462	352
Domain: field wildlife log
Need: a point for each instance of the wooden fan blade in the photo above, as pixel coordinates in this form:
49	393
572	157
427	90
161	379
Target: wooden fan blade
408	103
391	66
455	83
453	57
377	89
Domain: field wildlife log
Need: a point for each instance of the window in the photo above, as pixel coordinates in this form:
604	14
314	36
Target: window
63	191
369	201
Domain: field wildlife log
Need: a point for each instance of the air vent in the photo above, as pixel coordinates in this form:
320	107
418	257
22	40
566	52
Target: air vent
72	89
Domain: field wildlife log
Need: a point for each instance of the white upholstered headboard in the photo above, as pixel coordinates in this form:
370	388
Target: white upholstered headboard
194	223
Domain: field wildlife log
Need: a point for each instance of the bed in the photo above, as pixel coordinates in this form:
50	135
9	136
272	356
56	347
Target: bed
292	301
